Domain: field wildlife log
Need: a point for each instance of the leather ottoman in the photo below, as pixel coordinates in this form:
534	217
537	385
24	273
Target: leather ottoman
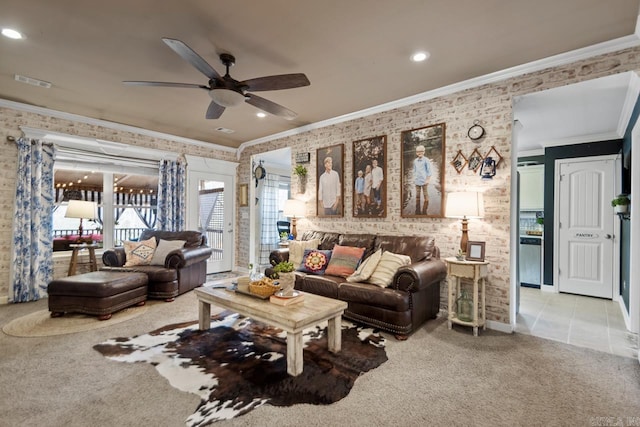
99	293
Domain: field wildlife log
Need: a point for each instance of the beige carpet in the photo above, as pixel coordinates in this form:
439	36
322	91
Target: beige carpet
41	324
438	377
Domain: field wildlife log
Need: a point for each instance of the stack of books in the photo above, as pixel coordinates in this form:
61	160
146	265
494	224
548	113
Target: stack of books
286	300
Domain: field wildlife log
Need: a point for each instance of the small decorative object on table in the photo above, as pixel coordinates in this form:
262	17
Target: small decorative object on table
475	251
464	306
263	287
254	274
285	275
278	299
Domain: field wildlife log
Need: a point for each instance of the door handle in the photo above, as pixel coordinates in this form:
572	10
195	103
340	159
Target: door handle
608	236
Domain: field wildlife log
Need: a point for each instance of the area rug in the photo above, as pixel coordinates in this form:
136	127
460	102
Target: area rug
239	364
41	324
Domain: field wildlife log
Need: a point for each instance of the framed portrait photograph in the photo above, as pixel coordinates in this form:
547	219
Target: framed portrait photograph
475	251
422	171
370	177
330	170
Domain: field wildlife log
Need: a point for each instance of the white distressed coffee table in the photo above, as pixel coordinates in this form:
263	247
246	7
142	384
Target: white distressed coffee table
292	319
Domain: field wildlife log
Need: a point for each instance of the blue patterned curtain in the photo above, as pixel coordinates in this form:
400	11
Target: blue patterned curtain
172	196
32	256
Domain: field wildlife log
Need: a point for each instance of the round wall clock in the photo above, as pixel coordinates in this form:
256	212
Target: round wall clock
476	131
259	172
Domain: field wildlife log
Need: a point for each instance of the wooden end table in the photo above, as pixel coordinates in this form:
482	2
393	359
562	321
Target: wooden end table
292	319
476	271
91	247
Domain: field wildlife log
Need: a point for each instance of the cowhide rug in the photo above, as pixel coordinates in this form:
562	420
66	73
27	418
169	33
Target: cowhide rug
240	364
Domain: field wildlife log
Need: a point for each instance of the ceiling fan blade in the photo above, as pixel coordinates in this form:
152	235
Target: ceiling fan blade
214	111
282	81
192	57
271	107
165	84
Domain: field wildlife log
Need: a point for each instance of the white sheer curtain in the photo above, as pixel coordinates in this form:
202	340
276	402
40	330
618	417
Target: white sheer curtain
269	212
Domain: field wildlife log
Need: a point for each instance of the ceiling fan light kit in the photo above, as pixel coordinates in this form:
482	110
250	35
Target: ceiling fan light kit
225	91
227	97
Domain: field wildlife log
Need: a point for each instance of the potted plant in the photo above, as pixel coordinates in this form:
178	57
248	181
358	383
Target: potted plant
301	172
621	203
284	236
286	276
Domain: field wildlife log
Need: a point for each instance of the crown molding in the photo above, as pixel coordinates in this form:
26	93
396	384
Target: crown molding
549	62
630	101
583	139
109	125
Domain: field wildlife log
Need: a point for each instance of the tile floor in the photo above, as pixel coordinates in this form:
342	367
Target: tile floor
577	320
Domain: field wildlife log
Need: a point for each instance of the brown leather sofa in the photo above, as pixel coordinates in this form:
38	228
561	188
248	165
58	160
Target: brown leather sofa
183	270
412	298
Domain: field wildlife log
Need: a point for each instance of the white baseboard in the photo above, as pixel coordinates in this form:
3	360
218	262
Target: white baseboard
4	300
499	326
491	324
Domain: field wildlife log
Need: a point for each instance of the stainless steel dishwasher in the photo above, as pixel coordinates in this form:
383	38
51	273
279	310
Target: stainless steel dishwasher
530	261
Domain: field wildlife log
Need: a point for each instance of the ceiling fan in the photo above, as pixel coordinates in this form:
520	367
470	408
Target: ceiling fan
225	91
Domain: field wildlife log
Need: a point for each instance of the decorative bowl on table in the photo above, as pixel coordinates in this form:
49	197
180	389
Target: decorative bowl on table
264	287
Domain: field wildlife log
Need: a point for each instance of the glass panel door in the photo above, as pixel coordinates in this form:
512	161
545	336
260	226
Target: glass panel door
213	215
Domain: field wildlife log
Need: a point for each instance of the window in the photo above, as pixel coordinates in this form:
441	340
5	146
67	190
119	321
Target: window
121	179
124	210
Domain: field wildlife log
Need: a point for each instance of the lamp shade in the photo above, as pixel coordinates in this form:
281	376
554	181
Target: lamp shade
294	208
464	204
81	209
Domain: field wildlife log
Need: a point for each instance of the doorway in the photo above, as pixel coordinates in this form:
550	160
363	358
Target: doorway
211	206
592	111
268	195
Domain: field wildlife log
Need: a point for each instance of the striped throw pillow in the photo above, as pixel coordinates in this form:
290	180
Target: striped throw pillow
344	260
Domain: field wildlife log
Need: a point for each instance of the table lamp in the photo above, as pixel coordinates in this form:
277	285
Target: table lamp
81	209
464	205
294	209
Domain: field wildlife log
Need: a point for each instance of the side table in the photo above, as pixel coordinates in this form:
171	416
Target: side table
476	271
91	247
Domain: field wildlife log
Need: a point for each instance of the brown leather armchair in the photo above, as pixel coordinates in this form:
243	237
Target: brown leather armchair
183	269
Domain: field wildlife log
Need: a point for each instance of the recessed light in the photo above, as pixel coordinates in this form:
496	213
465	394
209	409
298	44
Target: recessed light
261	115
420	56
12	34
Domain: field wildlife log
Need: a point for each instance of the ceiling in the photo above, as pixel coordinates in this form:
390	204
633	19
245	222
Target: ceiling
355	53
593	110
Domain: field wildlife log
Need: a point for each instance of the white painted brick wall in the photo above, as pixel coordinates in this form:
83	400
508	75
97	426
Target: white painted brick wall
491	104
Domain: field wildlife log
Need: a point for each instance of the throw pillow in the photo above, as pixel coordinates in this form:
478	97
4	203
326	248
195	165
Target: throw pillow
163	249
315	261
387	267
366	269
139	253
297	248
344	260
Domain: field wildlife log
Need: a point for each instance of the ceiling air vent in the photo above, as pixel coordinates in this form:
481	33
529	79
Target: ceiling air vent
224	130
32	81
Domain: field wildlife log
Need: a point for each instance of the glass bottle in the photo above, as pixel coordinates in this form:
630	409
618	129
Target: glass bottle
465	307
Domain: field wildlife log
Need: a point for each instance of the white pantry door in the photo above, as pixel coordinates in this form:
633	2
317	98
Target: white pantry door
586	238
